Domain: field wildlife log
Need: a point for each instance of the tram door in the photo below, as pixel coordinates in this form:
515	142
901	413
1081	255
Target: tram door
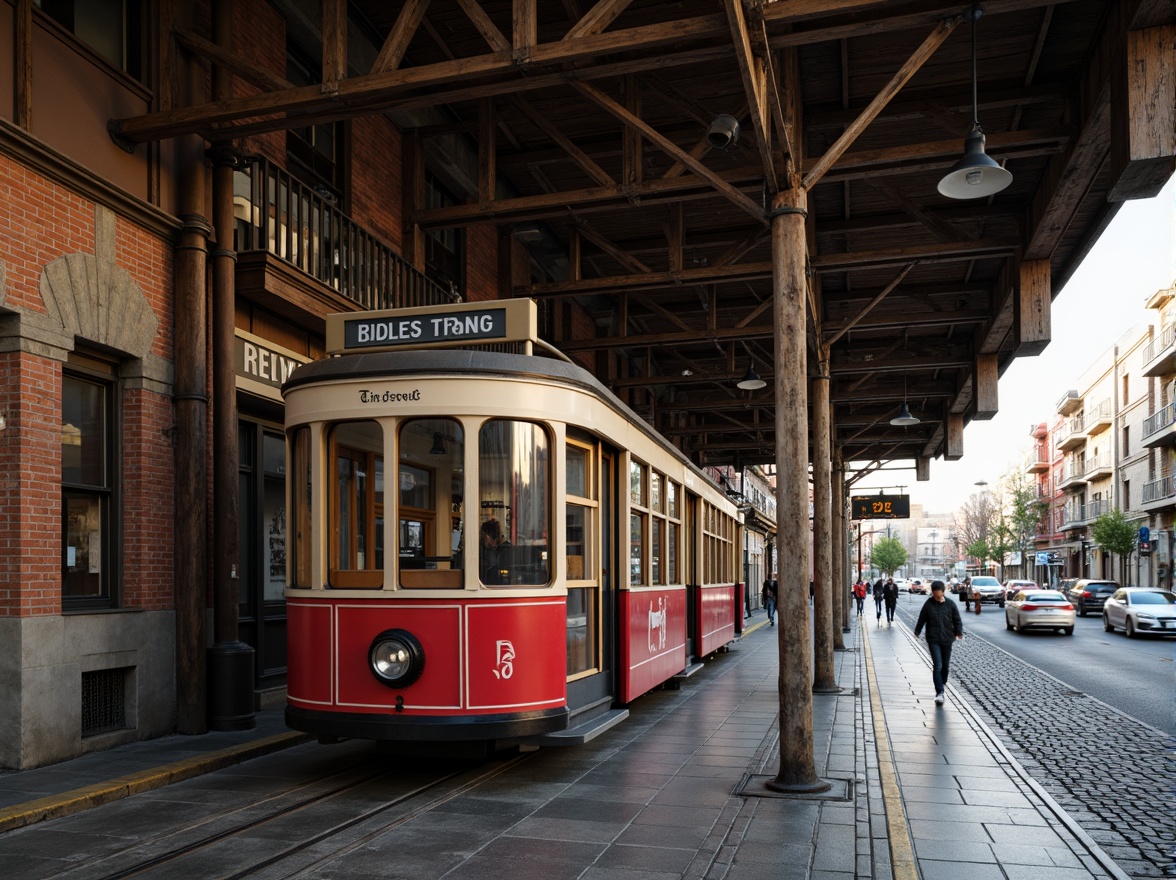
690	575
590	565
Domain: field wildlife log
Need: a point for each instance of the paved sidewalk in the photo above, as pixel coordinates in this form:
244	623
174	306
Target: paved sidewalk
676	791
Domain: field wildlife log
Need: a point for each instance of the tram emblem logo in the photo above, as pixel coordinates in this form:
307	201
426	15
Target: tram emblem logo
505	663
657	624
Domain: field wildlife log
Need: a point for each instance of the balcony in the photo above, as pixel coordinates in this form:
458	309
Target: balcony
1159	494
1074	515
1073	475
1159	357
1095	509
1098	419
1038	460
1160	429
1073	435
1069	403
278	216
1098	466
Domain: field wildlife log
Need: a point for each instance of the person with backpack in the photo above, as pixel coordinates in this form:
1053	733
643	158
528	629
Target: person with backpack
879	592
859	595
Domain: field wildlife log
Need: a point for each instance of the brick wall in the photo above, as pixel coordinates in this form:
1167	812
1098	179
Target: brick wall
376	196
40	222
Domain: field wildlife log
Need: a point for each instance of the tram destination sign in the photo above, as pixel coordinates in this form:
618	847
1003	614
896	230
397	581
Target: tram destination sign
880	507
495	321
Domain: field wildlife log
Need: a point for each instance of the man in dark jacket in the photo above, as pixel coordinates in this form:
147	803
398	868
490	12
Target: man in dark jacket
944	624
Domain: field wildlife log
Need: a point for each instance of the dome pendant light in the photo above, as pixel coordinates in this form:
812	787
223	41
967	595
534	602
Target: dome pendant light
904	417
751	380
976	175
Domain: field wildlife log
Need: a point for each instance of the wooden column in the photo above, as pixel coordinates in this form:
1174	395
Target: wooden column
824	678
840	552
797	770
1143	114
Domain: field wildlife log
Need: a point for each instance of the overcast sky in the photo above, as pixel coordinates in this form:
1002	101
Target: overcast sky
1135	257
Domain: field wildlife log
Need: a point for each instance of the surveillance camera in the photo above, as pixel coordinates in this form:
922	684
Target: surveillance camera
723	132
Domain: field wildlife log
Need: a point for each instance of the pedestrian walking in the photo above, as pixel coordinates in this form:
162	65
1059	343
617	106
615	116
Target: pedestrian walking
890	597
879	592
966	592
771	590
859	596
944	625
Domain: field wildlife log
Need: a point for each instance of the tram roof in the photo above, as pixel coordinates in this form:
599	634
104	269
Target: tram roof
590	120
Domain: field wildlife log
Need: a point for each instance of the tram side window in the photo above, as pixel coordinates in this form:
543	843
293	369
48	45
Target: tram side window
357	505
673	530
638	522
300	507
430	483
514	503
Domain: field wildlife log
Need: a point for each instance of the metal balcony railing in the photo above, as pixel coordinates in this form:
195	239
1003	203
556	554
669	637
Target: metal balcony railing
1157	490
1099	462
1095	509
1073	514
1160	344
277	213
1163	419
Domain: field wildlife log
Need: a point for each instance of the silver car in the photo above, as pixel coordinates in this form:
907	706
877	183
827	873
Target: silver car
1139	610
989	588
1043	609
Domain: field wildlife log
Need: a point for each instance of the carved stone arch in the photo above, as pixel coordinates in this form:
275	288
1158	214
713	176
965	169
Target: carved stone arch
99	302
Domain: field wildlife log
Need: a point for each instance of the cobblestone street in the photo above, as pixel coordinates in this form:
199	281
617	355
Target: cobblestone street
1120	794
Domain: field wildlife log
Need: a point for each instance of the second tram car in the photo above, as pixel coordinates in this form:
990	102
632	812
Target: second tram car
485	545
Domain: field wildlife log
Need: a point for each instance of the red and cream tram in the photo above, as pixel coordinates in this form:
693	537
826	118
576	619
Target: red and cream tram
487	546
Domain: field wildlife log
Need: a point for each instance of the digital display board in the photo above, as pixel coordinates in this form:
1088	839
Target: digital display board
880	507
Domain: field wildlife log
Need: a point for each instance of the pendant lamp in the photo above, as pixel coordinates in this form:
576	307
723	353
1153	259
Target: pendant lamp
904	416
976	175
751	380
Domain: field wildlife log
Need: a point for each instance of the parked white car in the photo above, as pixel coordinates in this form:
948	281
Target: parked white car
1139	610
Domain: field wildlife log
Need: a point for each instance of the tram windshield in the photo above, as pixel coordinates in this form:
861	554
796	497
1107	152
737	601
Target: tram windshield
514	503
430	544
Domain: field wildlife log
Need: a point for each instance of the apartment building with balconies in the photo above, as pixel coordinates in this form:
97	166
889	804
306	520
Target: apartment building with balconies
1115	440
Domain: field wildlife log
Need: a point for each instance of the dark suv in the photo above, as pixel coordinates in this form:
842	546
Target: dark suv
1090	595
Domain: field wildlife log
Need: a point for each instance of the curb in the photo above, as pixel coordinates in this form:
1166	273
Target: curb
79	799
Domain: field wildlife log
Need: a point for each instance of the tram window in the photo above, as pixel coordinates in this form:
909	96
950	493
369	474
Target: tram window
637	548
637	483
655	553
300	506
431	456
582	641
357	505
673	529
514	503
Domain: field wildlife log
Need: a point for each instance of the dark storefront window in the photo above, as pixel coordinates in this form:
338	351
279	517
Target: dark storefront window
87	491
112	28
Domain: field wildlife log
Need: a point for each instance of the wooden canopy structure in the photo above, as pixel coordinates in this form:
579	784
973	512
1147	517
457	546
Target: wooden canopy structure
589	122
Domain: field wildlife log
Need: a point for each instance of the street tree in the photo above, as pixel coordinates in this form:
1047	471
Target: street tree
1025	513
1113	533
888	555
975	524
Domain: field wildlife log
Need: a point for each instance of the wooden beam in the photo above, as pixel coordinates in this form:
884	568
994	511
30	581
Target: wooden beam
865	310
953	443
984	385
942	229
671	149
753	73
597	19
487	130
908	69
1033	304
582	159
1143	114
22	62
334	42
396	43
251	73
675	238
632	164
489	31
624	259
525	27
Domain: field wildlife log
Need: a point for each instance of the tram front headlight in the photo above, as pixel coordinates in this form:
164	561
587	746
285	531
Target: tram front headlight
396	658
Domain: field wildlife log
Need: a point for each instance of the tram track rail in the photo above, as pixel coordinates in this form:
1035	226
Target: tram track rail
362	796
